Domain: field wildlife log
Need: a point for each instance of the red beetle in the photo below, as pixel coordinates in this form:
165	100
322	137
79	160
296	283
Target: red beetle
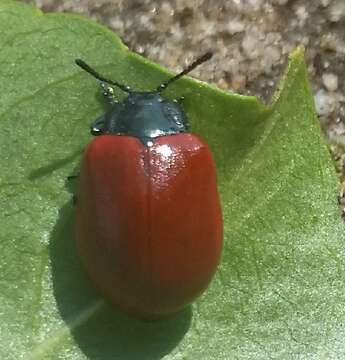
148	216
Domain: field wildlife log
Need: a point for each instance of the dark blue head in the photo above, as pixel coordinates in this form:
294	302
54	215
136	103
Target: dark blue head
145	115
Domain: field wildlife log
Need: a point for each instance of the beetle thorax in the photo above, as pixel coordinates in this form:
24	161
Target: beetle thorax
145	115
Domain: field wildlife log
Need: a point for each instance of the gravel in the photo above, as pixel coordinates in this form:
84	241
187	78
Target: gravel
251	40
330	81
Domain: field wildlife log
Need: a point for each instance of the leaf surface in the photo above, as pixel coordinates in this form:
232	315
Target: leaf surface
279	291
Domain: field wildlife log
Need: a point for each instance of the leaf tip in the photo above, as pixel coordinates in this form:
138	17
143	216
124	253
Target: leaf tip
296	62
297	54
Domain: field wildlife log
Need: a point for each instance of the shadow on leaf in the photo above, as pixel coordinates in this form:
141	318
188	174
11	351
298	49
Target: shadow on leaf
55	165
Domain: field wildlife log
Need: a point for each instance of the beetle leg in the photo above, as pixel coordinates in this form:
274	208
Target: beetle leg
74	199
72	177
108	93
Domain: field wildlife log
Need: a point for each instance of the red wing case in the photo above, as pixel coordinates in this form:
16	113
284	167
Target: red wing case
148	221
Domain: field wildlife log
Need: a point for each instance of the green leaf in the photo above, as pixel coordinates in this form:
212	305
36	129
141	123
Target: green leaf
280	290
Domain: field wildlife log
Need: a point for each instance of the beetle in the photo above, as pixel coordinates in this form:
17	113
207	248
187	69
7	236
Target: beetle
148	216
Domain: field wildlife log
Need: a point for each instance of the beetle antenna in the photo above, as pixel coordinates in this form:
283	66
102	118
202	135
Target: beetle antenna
191	67
98	76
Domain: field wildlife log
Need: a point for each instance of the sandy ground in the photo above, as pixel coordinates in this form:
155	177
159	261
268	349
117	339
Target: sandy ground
251	40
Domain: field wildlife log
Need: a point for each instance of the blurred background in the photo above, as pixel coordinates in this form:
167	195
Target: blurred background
251	40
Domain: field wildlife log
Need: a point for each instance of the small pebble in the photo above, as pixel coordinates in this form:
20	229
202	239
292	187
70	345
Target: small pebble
324	103
325	3
235	26
238	82
252	46
336	10
302	14
330	81
280	2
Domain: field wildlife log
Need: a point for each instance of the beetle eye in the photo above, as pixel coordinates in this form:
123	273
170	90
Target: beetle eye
95	131
177	120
